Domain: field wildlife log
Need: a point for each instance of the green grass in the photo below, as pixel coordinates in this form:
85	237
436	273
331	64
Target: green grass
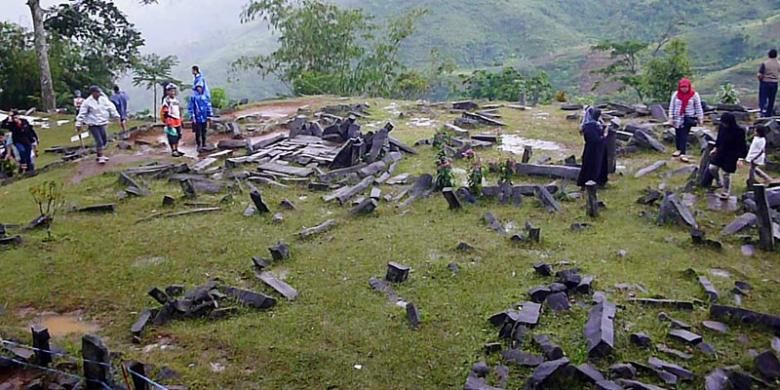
104	265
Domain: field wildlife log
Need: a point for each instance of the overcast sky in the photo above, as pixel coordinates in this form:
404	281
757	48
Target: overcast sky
193	19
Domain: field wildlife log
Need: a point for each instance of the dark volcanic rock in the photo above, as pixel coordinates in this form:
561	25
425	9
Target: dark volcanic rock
685	336
599	330
543	269
622	370
558	301
397	273
589	373
522	358
544	372
551	350
768	365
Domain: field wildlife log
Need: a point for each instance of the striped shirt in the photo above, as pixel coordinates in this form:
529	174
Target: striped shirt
694	109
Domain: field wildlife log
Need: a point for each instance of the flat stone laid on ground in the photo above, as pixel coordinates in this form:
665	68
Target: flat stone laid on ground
715	326
452	199
543	269
680	372
671	303
650	169
539	294
685	336
366	206
673	352
676	324
319	229
250	298
636	385
278	285
589	373
707	349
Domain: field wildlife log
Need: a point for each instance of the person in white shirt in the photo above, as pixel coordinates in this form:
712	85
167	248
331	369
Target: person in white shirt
96	111
686	111
756	156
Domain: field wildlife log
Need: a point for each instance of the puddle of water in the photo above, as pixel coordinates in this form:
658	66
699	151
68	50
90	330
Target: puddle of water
66	324
515	143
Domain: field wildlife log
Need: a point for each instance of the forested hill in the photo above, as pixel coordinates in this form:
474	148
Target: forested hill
726	37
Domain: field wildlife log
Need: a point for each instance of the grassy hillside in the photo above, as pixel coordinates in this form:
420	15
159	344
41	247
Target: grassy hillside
340	334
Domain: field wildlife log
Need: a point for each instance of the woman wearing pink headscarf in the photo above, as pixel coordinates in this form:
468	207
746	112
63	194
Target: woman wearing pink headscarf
686	112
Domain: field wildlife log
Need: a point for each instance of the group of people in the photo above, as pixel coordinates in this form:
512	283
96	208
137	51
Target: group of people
199	108
686	111
21	146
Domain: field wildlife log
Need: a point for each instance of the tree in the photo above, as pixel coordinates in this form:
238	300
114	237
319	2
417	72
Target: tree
42	52
151	70
662	73
625	66
327	49
100	30
18	75
509	85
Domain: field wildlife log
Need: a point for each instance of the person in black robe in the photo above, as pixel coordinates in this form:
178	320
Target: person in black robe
730	147
594	155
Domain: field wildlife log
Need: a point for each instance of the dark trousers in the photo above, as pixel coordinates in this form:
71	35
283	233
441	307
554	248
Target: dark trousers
25	156
767	92
681	137
200	130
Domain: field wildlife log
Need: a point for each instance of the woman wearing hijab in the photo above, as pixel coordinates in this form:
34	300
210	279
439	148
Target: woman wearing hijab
594	156
730	147
686	111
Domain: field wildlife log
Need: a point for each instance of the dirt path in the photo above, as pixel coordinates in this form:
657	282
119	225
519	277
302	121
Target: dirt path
275	109
89	167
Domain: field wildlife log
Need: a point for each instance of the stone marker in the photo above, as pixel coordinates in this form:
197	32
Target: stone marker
413	315
250	298
592	205
280	251
452	199
763	214
397	273
645	139
40	336
278	285
599	330
257	200
685	336
709	288
671	351
622	370
672	368
570	277
539	294
543	269
376	193
641	339
188	188
319	229
550	350
287	204
278	218
366	206
140	324
522	358
558	301
768	365
97	363
673	210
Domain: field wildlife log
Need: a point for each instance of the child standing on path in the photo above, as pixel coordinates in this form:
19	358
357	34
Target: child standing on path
171	115
756	156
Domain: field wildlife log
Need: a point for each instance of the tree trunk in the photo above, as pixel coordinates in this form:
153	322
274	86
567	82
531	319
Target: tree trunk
154	112
41	50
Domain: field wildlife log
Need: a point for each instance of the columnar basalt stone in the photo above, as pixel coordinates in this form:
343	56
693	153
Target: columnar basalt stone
543	269
592	205
279	286
319	229
257	200
600	329
765	228
685	336
641	339
97	363
622	370
452	199
544	372
250	298
670	303
396	272
413	315
550	350
280	251
188	188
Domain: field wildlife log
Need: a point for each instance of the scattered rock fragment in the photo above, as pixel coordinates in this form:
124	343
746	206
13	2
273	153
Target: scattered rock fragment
685	336
558	301
600	329
544	372
551	350
672	368
622	370
673	352
768	365
715	326
413	315
280	251
641	339
522	358
543	269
